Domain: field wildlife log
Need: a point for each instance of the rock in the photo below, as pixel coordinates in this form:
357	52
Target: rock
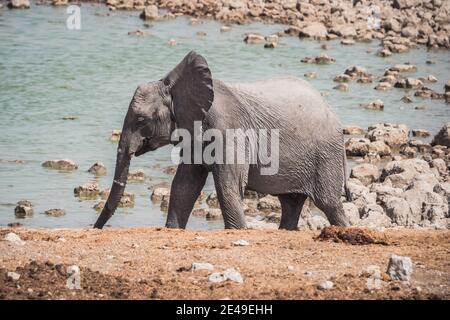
24	209
19	4
374	105
55	212
63	164
212	200
14	239
311	75
136	175
202	266
269	203
420	133
241	243
69	118
317	222
383	86
253	38
14	224
212	214
160	192
407	99
353	130
402	173
380	148
293	31
127	200
400	268
342	78
443	136
87	191
393	135
341	87
325	285
137	33
14	276
399	212
315	30
384	53
405	4
98	168
358	147
347	42
375	219
366	173
150	13
408	83
225	28
115	135
229	274
320	59
60	2
447	86
356	71
351	212
99	206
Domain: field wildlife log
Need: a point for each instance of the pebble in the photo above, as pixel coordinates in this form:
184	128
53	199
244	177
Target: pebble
229	274
241	242
14	238
326	285
13	276
202	266
400	268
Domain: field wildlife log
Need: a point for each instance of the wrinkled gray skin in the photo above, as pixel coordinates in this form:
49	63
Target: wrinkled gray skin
312	156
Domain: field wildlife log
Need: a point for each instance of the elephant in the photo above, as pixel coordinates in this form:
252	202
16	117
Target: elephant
312	161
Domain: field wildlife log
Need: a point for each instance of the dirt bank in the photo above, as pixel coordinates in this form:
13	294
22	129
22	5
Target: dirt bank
155	263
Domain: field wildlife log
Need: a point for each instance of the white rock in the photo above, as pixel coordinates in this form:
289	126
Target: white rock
400	268
241	242
202	266
229	274
13	276
217	277
326	285
14	238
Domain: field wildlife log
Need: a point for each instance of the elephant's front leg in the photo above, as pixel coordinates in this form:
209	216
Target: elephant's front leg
230	181
186	187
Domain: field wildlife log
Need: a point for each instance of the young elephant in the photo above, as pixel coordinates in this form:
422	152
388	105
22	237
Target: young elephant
311	152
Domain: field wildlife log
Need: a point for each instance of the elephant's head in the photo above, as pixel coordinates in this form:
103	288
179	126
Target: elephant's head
157	108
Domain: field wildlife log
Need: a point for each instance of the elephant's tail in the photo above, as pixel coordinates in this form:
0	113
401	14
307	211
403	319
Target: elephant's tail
348	196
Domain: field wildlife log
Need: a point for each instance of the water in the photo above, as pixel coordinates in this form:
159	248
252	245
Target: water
48	72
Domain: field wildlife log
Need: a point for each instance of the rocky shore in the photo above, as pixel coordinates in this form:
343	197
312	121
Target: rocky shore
399	24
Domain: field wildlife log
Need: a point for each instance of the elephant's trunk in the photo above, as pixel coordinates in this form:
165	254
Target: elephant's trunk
120	180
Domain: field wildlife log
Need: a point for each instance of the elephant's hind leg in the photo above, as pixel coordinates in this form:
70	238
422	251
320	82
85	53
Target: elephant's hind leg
334	212
291	207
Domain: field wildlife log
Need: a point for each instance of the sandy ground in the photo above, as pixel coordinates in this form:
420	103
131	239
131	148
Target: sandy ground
155	263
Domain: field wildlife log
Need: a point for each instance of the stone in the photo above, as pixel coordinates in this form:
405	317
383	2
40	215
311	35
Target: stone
342	78
320	59
374	105
87	191
99	206
213	213
115	135
325	285
384	53
311	74
127	200
136	175
351	212
315	30
159	192
357	147
225	28
420	133
60	2
150	13
212	200
375	220
24	209
14	239
393	135
241	243
19	4
270	45
407	99
443	136
399	212
172	42
366	173
341	87
202	266
347	42
269	203
405	4
356	71
380	148
317	222
229	274
63	164
401	174
383	86
353	130
55	212
14	276
400	268
98	168
253	38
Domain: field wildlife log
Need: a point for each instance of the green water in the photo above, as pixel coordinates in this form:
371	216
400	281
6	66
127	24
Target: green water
48	72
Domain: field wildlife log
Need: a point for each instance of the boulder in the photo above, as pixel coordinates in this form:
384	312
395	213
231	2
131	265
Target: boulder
87	191
443	136
150	13
159	192
320	59
420	133
383	86
399	211
366	173
374	105
98	168
357	147
315	30
19	4
406	4
341	87
351	212
136	175
394	135
402	173
253	38
400	268
63	164
55	212
269	203
353	130
115	135
212	200
24	209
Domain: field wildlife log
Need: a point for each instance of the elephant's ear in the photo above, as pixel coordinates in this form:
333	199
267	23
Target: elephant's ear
191	87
